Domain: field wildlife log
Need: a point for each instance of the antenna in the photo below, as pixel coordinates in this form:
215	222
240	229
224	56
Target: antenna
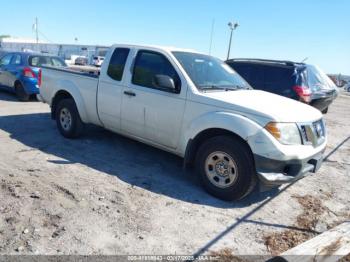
306	58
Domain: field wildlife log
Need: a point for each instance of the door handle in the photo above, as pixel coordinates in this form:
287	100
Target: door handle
129	93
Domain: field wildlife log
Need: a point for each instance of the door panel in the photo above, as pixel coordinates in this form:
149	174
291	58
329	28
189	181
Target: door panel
153	113
110	89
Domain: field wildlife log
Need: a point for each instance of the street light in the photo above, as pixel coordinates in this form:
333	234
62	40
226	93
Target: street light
232	26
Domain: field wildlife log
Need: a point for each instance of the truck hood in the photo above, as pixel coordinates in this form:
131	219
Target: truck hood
258	104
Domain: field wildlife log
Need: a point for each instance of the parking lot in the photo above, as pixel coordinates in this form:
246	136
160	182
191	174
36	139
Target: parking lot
105	194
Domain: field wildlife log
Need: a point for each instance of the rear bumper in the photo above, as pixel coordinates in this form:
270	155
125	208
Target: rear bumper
321	102
30	86
273	172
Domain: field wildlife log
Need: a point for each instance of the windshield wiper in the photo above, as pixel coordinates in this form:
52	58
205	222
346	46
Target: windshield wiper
222	87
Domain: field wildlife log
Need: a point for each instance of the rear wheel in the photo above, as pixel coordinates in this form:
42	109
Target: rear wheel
21	93
226	168
68	119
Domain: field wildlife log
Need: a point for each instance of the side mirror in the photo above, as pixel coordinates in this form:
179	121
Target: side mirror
164	81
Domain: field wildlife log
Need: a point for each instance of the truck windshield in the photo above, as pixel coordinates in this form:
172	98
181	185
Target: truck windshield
209	73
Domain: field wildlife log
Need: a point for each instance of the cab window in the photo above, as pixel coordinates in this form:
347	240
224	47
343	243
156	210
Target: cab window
117	63
148	64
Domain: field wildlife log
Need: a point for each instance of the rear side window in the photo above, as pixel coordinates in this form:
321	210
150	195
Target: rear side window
148	64
6	60
16	60
278	80
117	63
256	76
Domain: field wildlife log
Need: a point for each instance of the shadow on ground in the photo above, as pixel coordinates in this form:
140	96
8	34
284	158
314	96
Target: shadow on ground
7	95
132	162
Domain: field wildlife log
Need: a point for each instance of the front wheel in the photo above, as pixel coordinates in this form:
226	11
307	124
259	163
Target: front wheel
68	119
226	168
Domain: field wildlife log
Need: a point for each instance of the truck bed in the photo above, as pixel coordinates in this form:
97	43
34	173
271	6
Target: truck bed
81	85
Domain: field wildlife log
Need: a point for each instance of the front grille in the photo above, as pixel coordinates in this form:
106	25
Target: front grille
313	133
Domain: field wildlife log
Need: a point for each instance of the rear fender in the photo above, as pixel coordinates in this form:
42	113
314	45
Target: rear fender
73	90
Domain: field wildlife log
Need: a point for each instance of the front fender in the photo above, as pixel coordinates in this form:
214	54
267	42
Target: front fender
237	124
73	90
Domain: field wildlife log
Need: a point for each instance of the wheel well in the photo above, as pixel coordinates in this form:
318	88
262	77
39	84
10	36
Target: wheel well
60	95
17	82
194	144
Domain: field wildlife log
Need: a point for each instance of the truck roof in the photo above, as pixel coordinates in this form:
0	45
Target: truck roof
155	47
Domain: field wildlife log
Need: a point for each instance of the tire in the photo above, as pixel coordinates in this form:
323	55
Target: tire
211	165
325	111
68	119
21	93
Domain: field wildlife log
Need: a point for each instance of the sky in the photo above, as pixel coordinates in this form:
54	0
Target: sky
316	30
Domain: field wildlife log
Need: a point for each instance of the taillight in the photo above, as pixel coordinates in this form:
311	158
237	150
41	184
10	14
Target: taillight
304	93
28	72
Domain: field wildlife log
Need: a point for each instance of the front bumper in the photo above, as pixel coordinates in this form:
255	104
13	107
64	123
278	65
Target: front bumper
273	172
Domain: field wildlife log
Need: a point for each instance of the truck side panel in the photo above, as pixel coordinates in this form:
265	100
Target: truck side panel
81	87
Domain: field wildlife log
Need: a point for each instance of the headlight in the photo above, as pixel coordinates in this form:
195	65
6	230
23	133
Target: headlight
285	133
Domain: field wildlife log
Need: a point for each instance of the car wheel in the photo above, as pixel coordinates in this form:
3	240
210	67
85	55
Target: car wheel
226	168
68	119
21	93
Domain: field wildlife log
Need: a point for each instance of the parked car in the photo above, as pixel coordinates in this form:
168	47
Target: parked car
20	72
98	60
195	106
299	81
81	60
347	87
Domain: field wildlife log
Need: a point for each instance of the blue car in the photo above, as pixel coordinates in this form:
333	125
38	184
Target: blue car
20	72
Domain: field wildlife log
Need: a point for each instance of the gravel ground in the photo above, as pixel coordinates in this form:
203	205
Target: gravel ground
105	194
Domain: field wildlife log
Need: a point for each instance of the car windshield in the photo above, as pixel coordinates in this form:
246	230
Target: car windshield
39	61
317	79
209	73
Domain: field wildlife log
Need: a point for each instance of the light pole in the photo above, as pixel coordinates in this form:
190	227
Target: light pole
232	26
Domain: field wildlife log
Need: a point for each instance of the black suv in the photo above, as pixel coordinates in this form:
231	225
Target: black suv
299	81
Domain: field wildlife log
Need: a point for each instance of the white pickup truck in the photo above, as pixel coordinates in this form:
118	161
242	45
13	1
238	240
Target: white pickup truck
197	107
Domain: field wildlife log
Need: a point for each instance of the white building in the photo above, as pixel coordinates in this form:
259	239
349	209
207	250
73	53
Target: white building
63	50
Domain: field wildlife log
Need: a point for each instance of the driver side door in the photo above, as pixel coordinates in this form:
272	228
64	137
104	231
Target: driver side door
149	112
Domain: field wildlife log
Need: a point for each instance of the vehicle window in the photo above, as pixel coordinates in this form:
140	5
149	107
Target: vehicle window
317	79
244	70
39	61
16	60
57	62
149	64
256	76
278	80
209	73
6	60
116	65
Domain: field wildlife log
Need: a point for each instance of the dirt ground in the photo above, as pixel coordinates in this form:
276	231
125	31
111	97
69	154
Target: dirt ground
105	194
